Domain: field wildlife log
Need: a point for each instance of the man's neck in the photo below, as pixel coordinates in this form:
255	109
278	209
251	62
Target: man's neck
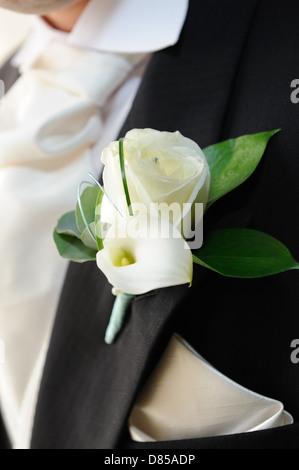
66	18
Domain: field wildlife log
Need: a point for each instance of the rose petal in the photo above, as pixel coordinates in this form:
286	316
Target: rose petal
181	174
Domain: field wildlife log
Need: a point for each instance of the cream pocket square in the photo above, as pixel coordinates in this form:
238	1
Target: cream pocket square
186	398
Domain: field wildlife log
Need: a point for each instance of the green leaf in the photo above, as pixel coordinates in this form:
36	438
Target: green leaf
67	225
232	162
72	249
98	224
244	253
88	200
87	240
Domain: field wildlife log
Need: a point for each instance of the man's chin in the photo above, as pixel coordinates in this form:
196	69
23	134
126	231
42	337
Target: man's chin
38	7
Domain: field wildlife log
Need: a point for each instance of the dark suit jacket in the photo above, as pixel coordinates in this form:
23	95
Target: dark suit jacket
229	75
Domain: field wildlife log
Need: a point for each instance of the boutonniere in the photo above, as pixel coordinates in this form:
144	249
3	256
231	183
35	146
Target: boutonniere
157	188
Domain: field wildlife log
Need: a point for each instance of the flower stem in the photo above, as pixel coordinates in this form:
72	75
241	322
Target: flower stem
120	308
123	175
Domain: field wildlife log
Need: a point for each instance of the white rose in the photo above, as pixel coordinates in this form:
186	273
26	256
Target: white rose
161	167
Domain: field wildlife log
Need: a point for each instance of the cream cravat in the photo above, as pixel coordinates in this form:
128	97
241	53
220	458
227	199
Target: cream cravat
49	123
186	398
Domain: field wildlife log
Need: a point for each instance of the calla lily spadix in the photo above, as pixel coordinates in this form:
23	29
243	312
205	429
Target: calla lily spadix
145	253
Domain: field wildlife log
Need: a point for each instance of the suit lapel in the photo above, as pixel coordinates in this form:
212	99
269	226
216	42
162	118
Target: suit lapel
88	388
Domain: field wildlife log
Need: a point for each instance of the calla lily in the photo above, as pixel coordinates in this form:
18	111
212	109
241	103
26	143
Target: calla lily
145	253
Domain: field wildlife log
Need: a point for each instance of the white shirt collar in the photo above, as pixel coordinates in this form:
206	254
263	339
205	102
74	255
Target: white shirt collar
130	26
115	26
